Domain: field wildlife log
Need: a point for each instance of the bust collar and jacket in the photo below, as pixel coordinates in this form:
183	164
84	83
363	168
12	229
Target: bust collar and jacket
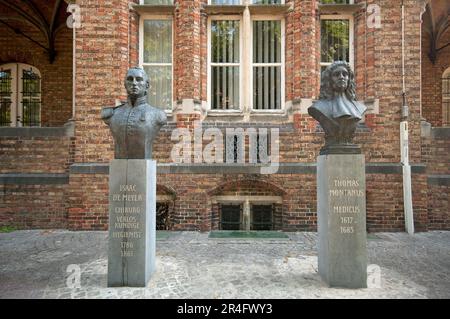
134	124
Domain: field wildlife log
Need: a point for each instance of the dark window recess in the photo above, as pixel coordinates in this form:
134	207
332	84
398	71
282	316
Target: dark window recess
446	98
31	100
236	149
162	216
335	1
262	146
230	217
5	97
262	217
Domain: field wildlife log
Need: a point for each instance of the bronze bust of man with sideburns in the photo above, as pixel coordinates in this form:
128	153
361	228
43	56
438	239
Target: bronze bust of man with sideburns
134	124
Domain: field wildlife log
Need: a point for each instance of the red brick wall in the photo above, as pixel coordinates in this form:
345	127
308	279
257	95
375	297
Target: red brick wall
439	210
88	202
107	44
102	55
33	206
35	154
436	154
302	52
193	208
56	78
432	79
187	48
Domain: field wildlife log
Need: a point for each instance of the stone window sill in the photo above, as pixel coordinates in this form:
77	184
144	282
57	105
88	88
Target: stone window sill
150	8
67	130
340	8
224	113
270	8
223	9
254	9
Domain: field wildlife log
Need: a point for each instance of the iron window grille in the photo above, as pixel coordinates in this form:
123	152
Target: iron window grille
5	97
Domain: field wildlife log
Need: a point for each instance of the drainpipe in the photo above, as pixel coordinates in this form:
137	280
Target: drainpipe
404	146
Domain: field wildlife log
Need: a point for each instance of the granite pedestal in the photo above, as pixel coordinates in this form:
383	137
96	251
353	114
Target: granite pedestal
341	210
132	222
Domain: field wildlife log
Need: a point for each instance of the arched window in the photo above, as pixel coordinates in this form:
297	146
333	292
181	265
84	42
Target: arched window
20	95
446	97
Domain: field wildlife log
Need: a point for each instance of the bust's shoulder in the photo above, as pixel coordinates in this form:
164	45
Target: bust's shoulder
322	107
108	111
156	113
362	108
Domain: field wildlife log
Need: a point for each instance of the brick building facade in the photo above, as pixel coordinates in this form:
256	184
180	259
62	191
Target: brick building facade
56	175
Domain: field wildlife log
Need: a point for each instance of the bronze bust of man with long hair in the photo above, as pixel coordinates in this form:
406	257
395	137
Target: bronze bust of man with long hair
337	110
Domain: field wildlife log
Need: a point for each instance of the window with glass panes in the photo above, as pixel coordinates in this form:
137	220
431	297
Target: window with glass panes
225	64
157	2
238	2
225	2
336	1
5	97
446	97
336	40
157	60
266	1
267	64
20	95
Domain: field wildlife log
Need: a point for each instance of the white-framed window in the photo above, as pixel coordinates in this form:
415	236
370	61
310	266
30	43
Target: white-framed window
266	1
336	1
267	46
246	63
224	62
225	2
446	97
336	39
156	57
241	2
157	2
20	95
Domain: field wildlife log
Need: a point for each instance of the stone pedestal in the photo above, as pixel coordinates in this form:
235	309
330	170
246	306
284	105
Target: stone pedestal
341	212
132	222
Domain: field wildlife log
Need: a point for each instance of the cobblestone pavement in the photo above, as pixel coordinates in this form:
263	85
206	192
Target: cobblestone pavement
34	264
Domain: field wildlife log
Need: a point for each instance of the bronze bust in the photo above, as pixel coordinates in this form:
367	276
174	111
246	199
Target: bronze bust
337	110
134	124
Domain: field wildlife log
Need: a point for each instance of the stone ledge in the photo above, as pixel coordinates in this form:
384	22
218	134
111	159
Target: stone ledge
439	180
340	8
284	168
89	168
440	133
64	131
393	168
270	8
223	9
149	8
34	179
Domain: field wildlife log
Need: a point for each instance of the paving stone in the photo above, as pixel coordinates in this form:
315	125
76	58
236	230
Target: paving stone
33	264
